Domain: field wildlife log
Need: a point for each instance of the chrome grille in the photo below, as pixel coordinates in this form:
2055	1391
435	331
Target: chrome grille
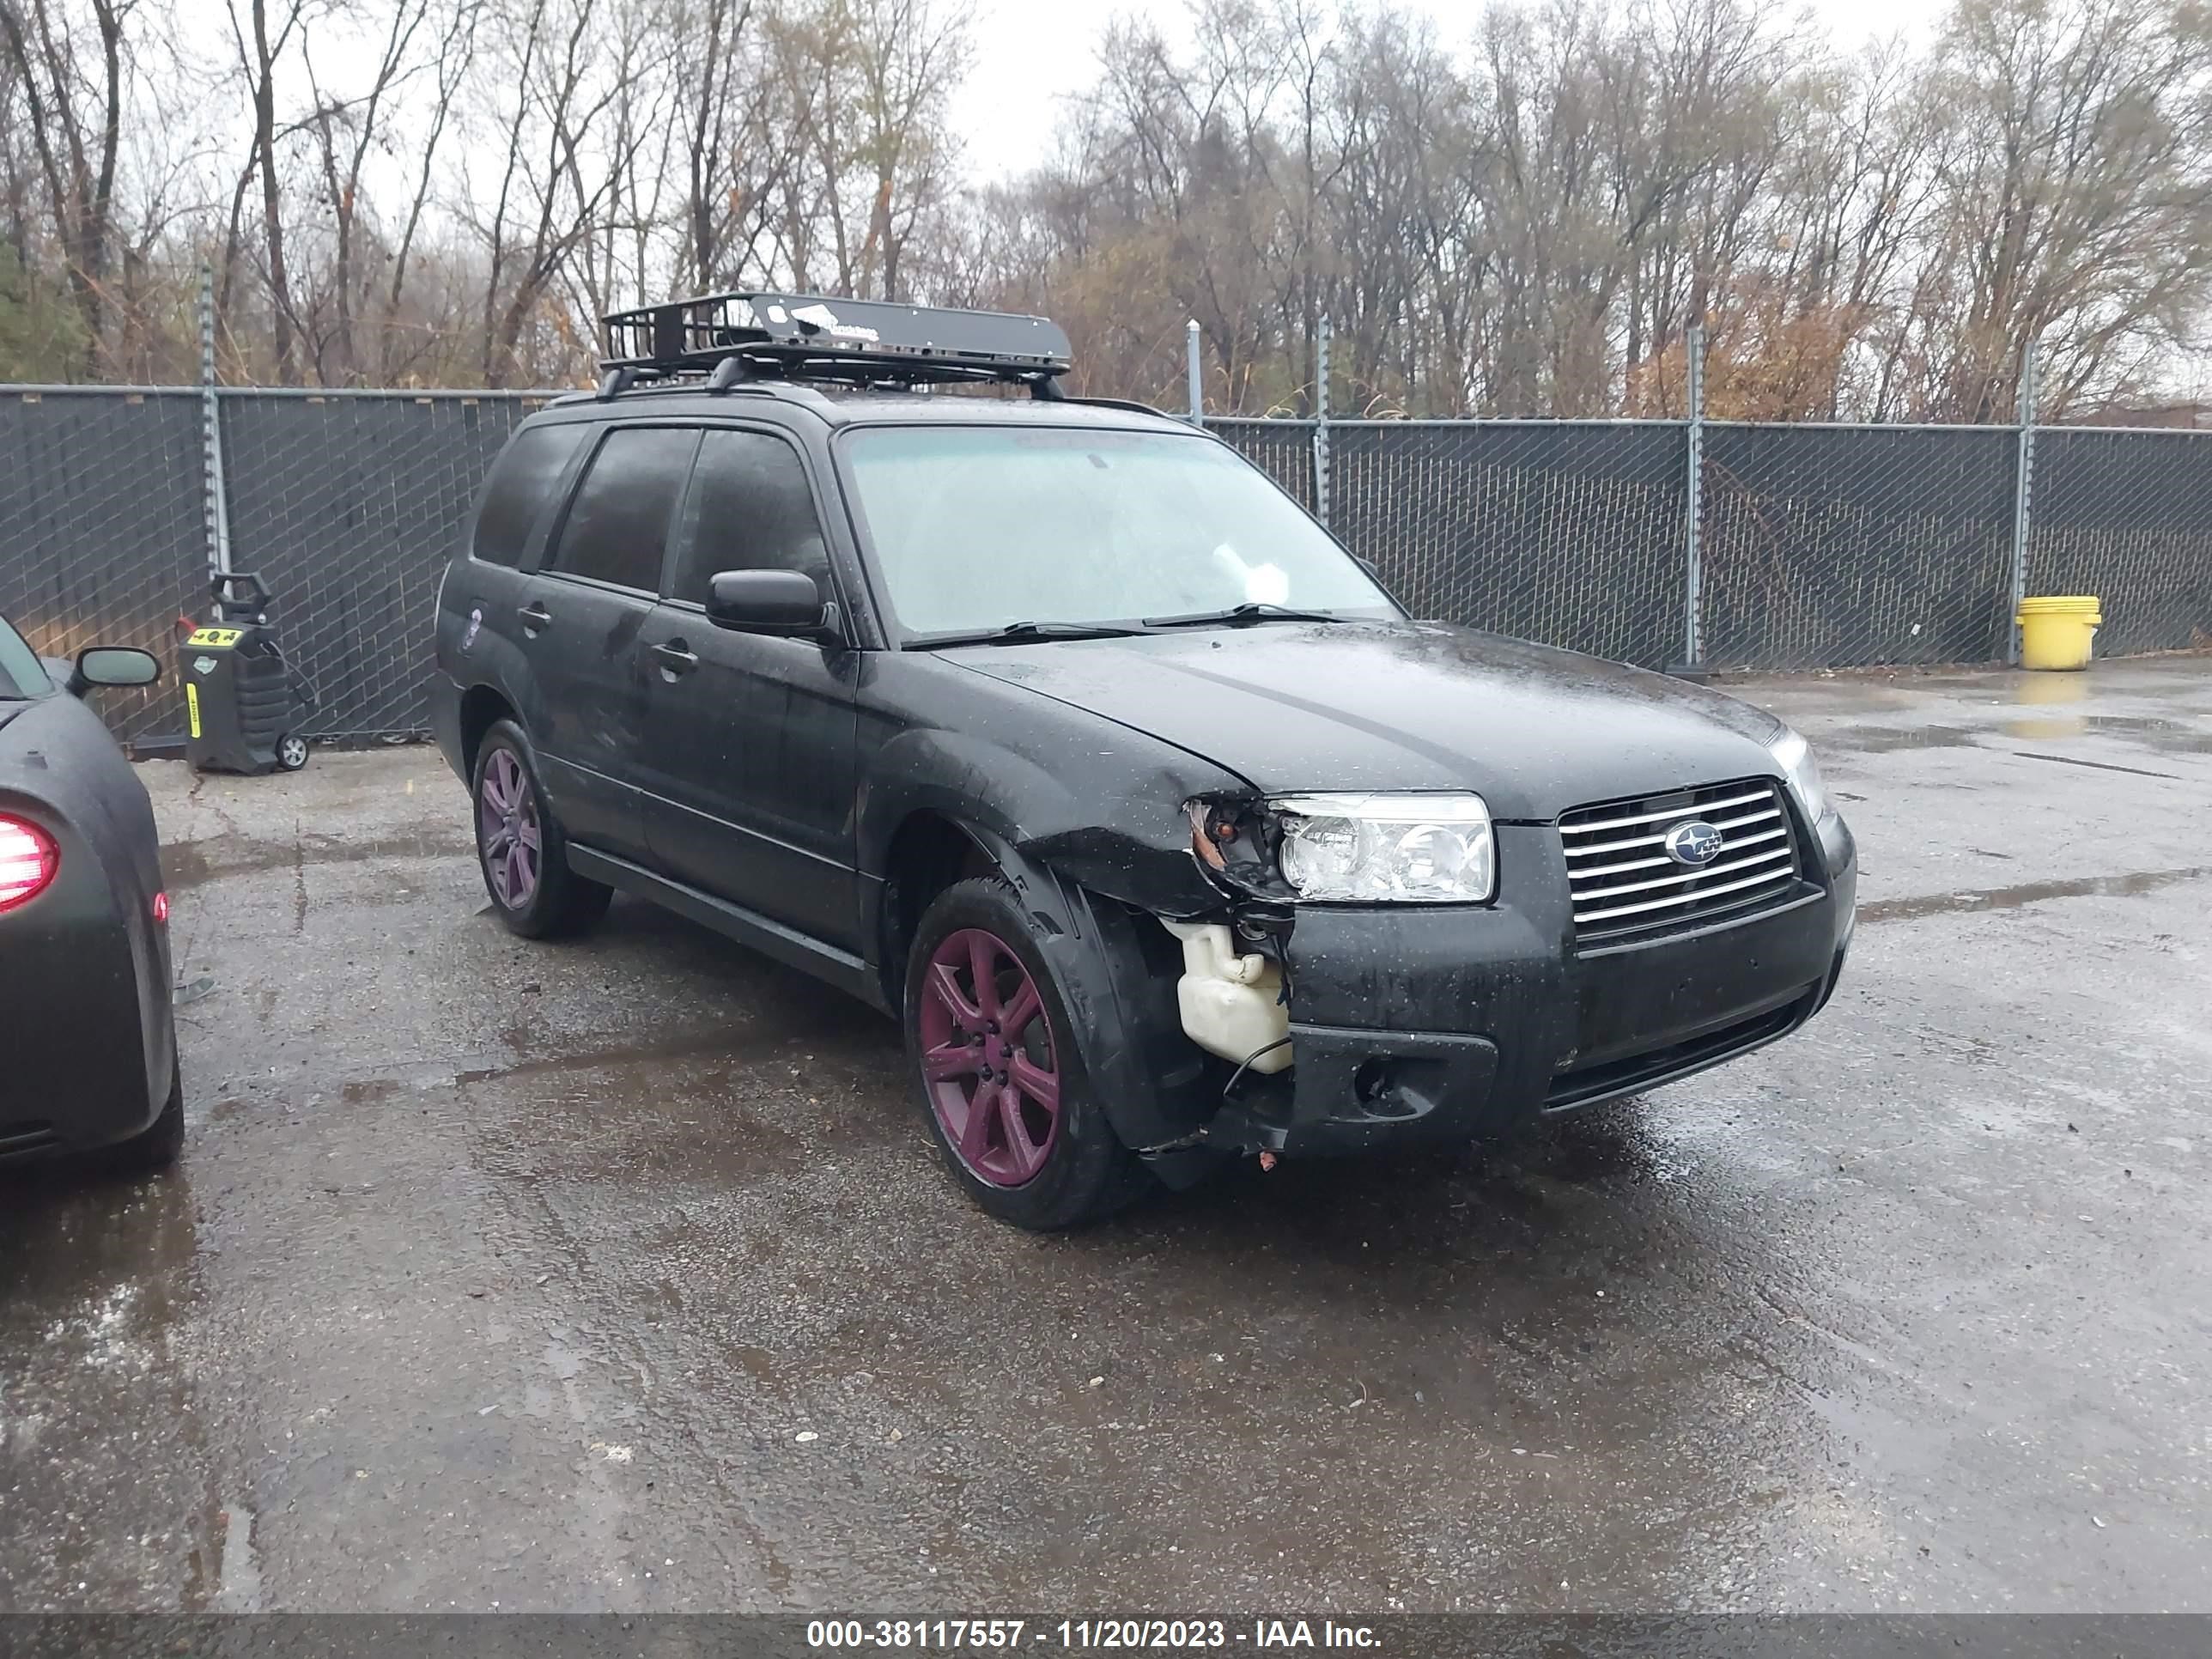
1625	881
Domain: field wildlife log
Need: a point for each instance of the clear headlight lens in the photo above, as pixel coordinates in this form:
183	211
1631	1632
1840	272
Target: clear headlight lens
1795	756
1419	850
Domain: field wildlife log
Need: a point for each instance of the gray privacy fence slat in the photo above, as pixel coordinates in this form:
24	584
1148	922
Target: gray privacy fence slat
2127	516
1841	548
348	509
101	536
1822	546
1571	534
1282	449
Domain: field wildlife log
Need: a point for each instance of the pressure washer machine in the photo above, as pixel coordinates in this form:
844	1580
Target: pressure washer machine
244	703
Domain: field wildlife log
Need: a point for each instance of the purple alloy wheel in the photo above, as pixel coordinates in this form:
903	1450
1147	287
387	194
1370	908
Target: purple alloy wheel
987	1058
506	827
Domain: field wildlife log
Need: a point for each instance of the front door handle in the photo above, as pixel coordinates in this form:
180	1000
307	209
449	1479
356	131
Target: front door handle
675	660
535	618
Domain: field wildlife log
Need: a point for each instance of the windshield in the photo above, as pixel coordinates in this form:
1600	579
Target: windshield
979	527
21	674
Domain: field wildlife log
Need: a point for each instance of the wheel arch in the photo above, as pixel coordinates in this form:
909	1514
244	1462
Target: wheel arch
929	851
1117	981
483	707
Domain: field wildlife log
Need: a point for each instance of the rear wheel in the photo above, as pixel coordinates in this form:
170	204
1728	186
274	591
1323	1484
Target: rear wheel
291	752
1000	1070
520	846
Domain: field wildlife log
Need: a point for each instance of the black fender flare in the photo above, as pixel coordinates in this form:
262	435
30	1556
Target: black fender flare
1153	1082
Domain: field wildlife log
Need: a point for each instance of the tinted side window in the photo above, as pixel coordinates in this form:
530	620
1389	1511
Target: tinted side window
749	509
617	526
21	675
523	476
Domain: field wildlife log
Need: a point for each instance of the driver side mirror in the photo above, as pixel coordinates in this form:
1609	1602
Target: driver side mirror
780	602
112	664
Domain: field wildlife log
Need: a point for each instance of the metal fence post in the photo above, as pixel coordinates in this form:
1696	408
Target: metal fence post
216	507
1693	501
1190	371
2023	483
1320	423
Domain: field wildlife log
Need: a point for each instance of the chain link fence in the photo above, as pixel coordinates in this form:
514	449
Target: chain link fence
1809	547
1565	532
1841	548
101	541
348	508
2126	516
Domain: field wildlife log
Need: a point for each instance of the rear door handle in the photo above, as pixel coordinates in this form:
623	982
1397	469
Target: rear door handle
535	618
675	660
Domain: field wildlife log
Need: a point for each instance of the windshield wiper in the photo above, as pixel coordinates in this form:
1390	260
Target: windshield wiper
1029	633
1244	616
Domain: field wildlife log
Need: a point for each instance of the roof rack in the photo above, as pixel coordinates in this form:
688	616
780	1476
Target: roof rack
739	336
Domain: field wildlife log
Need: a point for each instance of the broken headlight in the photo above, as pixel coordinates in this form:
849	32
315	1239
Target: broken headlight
1383	848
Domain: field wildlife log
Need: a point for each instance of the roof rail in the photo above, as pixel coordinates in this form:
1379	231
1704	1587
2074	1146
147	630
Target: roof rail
734	336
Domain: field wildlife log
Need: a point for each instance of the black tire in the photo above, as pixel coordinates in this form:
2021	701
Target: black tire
559	902
291	752
157	1147
1086	1173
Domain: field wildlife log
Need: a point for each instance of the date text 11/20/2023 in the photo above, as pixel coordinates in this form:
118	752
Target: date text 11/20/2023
1086	1634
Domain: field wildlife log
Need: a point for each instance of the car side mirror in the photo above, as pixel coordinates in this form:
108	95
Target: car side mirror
112	664
785	602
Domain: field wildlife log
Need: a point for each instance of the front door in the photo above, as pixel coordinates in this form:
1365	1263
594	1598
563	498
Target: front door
749	761
581	622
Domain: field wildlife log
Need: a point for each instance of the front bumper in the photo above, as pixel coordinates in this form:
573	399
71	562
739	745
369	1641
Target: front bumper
1459	1023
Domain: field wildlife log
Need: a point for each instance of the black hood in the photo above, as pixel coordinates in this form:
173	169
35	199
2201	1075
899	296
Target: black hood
1356	706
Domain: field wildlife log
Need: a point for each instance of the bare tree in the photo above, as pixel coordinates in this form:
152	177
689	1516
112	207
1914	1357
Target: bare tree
260	48
70	92
2075	178
455	59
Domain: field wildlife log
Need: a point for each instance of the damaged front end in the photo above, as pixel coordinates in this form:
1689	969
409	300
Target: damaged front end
1234	1011
1330	892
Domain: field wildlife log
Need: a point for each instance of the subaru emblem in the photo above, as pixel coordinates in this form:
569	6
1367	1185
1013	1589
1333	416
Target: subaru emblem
1696	843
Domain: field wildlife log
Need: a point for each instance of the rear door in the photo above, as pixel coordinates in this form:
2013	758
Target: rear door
750	743
583	611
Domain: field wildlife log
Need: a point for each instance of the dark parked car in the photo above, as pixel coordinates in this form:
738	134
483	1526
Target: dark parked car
1056	729
84	937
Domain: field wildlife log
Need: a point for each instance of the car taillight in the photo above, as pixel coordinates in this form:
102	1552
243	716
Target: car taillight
161	908
29	861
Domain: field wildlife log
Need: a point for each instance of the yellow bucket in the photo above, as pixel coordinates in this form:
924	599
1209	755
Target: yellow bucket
2055	633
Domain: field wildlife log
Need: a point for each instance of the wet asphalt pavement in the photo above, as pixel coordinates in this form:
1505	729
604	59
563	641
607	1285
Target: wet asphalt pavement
617	1275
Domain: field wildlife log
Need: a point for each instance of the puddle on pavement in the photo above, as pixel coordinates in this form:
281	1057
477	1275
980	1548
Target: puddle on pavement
98	1432
2149	730
238	1580
2067	691
2034	892
1891	739
189	864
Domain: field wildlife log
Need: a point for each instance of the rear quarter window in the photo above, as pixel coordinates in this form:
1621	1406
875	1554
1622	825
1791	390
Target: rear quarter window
523	480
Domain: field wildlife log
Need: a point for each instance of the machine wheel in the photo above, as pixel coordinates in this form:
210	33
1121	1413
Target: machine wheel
999	1070
156	1147
291	752
520	848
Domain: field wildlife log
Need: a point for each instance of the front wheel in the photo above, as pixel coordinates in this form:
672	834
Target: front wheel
1000	1067
291	752
521	848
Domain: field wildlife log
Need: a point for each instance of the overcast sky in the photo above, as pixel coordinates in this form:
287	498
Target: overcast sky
1028	53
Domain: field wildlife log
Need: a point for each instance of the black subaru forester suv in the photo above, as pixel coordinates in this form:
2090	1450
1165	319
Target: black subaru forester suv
1053	727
